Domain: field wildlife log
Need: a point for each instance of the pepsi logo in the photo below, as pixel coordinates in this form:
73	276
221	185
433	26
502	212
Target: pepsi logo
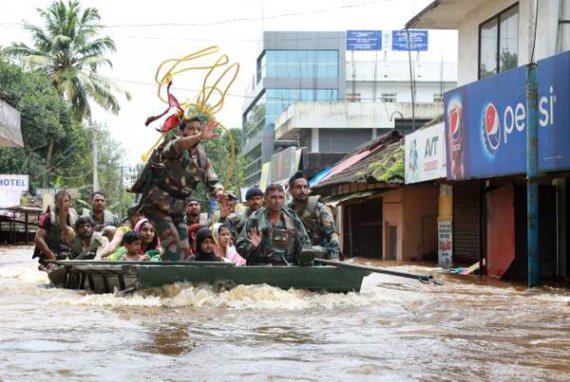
491	128
455	123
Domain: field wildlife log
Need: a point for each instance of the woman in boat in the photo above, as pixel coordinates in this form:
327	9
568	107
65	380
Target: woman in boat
206	246
132	244
226	248
133	216
150	245
150	242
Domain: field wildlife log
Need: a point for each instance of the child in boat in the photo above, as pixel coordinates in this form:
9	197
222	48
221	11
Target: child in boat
226	248
132	243
205	246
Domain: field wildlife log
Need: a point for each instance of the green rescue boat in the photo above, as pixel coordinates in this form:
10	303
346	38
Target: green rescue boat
107	277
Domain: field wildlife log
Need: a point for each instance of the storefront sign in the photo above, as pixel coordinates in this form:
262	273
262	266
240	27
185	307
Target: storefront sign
14	183
485	122
425	154
445	243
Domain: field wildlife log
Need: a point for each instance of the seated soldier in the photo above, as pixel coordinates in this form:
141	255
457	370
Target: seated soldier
105	221
86	243
50	238
132	243
274	234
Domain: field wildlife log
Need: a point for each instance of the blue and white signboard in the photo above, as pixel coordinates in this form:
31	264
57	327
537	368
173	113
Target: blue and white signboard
363	40
412	39
485	122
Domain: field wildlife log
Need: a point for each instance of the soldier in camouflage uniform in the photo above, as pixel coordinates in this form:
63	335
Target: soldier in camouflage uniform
177	166
274	234
317	217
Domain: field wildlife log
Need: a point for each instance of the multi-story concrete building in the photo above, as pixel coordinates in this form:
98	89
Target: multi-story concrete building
307	92
291	66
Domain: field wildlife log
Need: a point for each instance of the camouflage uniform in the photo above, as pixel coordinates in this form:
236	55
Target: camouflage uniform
319	223
54	239
281	244
174	176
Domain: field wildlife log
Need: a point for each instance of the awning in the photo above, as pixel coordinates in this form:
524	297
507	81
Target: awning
10	131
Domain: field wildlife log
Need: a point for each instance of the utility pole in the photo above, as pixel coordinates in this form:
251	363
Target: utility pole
121	194
95	159
532	176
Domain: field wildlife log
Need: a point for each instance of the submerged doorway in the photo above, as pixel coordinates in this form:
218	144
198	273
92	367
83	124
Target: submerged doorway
362	224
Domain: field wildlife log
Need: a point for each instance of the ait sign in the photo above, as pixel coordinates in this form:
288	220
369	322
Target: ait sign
425	154
485	122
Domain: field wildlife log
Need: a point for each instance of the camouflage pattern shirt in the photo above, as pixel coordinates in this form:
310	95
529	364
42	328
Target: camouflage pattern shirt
281	243
181	170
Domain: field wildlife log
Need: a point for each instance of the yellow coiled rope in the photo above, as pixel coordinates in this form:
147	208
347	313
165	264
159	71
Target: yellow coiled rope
213	88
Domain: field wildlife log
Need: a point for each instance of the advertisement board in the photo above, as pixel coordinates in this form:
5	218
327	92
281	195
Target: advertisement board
445	243
425	154
485	122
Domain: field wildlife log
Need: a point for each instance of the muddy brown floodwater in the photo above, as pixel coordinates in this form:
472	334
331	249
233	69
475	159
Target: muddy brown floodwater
394	330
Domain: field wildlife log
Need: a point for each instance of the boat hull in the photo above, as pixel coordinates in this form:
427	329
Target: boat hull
105	277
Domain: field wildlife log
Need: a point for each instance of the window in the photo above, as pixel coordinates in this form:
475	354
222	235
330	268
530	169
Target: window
437	97
353	97
498	42
277	100
388	97
300	64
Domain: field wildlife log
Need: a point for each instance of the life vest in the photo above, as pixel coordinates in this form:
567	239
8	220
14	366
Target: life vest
53	238
310	218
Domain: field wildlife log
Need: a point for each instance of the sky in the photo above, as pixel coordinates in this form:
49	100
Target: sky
147	33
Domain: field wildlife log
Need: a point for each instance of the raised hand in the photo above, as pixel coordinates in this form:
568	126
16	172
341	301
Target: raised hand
208	130
255	237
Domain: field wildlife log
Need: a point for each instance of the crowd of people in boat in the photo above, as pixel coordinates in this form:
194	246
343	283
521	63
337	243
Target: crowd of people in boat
166	226
263	230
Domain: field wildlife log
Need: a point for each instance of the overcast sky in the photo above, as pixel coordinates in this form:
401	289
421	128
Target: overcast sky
146	33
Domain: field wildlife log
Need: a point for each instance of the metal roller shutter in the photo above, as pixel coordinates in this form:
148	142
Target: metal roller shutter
466	223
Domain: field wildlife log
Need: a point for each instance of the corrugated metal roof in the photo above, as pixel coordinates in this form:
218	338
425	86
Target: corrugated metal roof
382	160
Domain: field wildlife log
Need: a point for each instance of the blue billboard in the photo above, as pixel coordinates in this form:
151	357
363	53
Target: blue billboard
412	39
485	122
363	40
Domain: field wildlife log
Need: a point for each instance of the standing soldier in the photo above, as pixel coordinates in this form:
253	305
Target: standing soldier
176	168
317	218
274	234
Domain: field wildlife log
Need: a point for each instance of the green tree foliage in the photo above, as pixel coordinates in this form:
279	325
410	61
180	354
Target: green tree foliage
69	49
44	120
218	150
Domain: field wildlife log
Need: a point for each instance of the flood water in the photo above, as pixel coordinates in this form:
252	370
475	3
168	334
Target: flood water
394	330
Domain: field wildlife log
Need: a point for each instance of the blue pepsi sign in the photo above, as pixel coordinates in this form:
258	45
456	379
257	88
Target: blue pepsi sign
485	122
363	40
412	39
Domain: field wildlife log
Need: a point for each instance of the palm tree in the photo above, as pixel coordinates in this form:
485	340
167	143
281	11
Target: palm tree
69	49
